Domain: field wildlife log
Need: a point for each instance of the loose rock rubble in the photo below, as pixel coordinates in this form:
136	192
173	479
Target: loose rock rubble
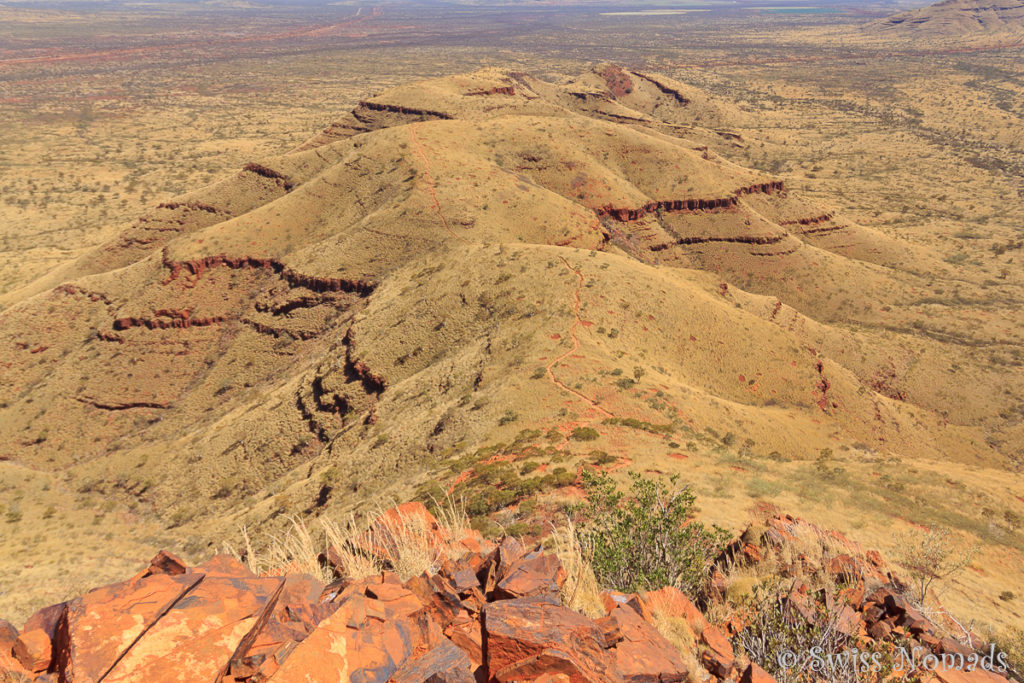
493	615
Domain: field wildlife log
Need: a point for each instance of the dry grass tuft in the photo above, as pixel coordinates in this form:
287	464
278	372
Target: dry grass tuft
406	543
354	562
580	591
679	632
295	550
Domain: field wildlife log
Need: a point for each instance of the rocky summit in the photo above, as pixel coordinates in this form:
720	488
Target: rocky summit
495	612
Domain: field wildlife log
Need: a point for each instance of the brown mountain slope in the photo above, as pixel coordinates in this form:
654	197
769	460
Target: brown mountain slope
957	18
485	266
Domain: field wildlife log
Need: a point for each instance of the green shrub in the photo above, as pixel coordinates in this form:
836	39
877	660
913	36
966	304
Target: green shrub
585	434
647	539
528	466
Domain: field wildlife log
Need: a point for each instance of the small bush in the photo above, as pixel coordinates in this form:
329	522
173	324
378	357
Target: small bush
777	631
585	434
647	539
508	417
930	556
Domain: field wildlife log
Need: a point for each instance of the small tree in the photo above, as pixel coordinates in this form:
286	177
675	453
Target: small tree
930	556
647	539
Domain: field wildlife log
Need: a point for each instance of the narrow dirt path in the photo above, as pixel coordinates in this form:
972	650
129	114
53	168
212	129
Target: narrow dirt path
428	174
575	345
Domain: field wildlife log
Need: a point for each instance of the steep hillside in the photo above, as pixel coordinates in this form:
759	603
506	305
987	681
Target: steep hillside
477	270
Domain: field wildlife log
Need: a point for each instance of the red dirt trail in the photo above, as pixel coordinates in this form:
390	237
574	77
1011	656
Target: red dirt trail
575	345
429	176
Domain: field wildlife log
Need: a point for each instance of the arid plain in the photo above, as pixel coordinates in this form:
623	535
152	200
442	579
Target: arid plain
839	336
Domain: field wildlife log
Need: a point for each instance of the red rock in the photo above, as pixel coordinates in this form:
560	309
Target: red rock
949	646
643	654
445	663
197	637
717	582
103	624
468	637
880	630
355	644
525	635
464	580
610	630
391	524
439	599
751	553
960	675
718	658
474	542
11	669
532	574
498	563
33	650
226	566
46	619
613	599
755	674
547	662
848	621
853	595
165	563
672	602
843	568
8	636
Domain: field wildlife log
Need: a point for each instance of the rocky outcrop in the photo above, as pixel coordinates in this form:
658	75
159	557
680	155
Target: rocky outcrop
688	205
399	109
664	87
496	90
492	614
195	268
617	80
165	319
270	174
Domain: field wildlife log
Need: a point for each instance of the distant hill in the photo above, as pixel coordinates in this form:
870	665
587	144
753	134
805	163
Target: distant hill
954	18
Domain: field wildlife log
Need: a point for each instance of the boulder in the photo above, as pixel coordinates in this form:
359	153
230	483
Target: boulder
718	656
165	563
498	563
46	619
201	631
527	637
533	574
11	669
755	674
642	654
366	638
445	663
614	599
33	650
102	625
8	636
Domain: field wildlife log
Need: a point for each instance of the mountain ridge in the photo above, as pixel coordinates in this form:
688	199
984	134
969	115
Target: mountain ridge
492	265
